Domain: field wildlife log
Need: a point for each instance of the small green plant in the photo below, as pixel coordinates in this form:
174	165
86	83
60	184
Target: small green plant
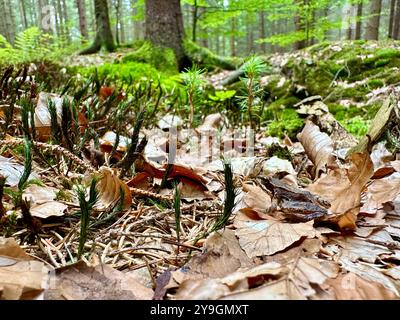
193	84
253	68
86	207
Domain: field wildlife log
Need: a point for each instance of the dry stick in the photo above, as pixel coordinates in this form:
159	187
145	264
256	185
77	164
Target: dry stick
83	164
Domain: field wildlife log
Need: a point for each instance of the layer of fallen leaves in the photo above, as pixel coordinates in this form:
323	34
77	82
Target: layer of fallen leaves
317	226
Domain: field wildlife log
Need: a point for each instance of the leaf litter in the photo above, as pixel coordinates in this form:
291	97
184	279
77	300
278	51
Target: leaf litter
316	226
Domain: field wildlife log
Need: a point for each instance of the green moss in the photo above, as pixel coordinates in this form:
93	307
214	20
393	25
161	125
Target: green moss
375	83
204	58
163	59
288	122
356	126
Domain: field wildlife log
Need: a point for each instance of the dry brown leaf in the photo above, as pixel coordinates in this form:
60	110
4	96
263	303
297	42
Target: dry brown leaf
221	256
20	276
82	282
10	248
257	199
352	287
343	189
110	186
266	237
276	290
318	146
12	170
360	249
385	190
369	273
42	202
212	289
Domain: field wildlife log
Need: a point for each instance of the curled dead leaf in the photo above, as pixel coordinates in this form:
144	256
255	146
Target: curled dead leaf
318	146
110	188
343	188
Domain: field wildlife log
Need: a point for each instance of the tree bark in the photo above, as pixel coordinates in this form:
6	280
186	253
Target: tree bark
396	24
357	35
391	17
23	14
299	26
232	39
164	27
80	4
65	17
263	35
372	29
103	30
195	18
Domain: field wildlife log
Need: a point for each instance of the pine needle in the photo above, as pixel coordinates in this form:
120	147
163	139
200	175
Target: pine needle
177	207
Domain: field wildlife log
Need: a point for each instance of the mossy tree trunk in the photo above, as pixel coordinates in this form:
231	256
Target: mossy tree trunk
103	30
164	27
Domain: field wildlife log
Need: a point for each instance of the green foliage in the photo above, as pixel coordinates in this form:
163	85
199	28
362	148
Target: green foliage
130	72
28	164
288	122
251	102
222	96
86	207
34	45
193	82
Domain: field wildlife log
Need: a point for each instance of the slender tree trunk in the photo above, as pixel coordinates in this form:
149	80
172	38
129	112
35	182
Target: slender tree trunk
65	18
80	4
60	16
121	21
118	22
233	40
263	35
357	34
195	17
164	27
349	23
24	20
391	17
396	23
103	30
3	28
372	29
9	18
299	26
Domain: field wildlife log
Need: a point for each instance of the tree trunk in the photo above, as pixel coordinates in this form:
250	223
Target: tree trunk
349	23
103	30
65	17
391	17
9	21
164	27
372	30
357	35
299	26
61	21
233	40
195	18
396	24
23	14
263	35
80	4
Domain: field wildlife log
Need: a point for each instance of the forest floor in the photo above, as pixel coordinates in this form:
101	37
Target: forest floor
305	206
